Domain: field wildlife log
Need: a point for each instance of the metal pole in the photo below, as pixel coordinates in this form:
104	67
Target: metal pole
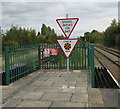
66	15
68	76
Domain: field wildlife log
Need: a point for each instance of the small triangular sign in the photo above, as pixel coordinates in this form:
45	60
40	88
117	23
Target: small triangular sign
67	25
67	46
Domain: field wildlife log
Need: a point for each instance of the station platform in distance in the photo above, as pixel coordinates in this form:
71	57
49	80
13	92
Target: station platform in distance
48	88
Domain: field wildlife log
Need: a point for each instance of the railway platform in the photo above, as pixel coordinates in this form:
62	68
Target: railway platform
48	88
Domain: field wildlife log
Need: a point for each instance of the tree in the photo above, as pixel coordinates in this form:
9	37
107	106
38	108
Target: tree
19	36
110	37
44	29
22	36
110	34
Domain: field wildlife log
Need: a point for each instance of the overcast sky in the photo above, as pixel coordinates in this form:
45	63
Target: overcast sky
92	15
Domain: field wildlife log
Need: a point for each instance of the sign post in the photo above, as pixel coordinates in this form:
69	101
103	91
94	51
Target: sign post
67	45
68	71
68	79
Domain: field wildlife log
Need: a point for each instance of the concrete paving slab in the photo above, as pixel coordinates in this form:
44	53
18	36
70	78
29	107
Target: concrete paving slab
57	79
82	79
94	93
43	79
96	105
33	95
56	96
97	100
81	84
67	104
110	97
52	74
60	84
20	95
65	74
41	83
75	90
20	82
6	93
29	88
12	103
28	103
82	74
74	75
48	89
94	96
79	98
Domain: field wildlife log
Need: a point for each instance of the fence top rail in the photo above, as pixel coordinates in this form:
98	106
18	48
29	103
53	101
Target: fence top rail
20	48
26	47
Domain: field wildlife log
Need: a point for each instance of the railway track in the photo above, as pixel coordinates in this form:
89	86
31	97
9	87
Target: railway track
112	55
109	50
110	60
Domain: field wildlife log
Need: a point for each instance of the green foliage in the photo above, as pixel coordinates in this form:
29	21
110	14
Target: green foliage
50	35
117	40
110	34
110	37
41	39
21	36
10	43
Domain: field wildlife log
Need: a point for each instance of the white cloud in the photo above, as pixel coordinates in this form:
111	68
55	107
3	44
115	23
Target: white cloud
93	15
60	1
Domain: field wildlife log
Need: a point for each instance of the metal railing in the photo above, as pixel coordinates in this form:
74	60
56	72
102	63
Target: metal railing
22	60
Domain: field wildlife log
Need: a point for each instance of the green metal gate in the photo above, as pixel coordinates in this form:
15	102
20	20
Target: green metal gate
78	59
22	60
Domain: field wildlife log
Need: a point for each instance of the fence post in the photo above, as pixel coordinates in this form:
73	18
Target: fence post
88	55
92	66
91	63
7	66
39	56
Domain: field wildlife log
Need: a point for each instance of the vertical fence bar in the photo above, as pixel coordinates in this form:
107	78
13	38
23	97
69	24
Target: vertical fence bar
91	64
85	55
88	55
82	54
7	66
11	50
80	57
39	57
11	64
15	64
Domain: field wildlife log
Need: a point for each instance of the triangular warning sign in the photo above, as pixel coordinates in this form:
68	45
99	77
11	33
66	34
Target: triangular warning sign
67	45
67	25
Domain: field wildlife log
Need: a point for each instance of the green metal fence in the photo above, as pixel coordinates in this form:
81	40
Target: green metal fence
78	59
22	60
91	63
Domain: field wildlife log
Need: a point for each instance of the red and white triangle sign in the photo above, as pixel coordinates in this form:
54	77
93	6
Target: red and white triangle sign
67	25
67	46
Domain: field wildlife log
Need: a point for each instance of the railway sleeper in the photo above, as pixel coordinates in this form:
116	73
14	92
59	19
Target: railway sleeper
103	79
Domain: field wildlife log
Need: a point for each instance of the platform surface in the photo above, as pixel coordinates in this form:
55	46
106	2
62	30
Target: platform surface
49	88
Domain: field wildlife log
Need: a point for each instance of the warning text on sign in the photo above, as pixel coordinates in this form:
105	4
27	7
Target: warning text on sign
67	25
